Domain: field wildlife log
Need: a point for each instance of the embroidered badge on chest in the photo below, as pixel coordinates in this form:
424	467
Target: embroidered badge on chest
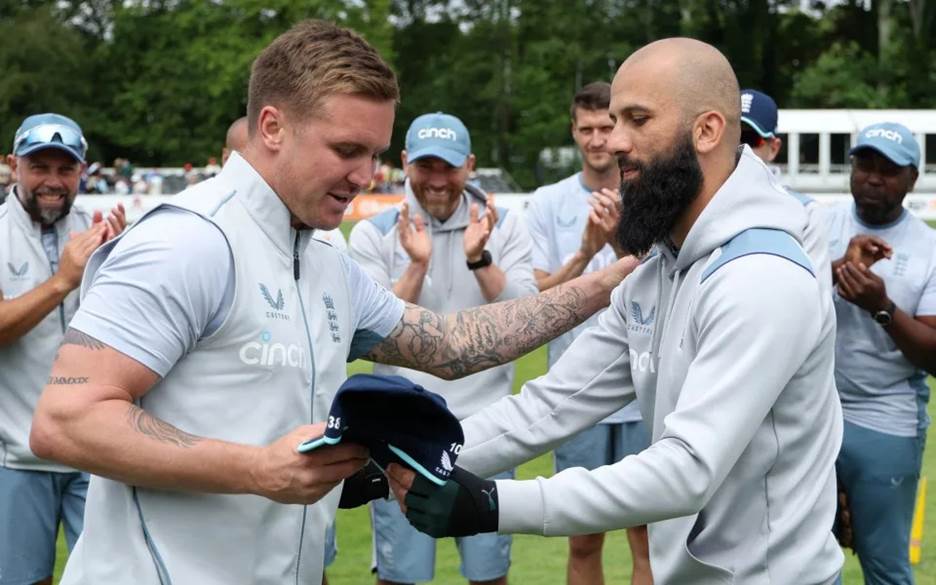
332	314
277	305
17	274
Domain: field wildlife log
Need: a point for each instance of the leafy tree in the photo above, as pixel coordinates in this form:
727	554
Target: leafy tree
43	70
158	81
839	79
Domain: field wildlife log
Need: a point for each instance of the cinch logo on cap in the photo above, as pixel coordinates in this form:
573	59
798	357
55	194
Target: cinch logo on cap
892	141
746	100
440	133
892	135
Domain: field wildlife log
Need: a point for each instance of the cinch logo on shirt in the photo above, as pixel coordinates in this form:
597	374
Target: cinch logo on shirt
277	305
440	133
20	273
642	361
891	135
267	353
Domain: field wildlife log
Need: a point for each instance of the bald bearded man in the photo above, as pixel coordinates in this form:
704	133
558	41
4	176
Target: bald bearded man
722	336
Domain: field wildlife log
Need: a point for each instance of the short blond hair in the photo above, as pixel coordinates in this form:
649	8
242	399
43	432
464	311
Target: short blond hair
312	60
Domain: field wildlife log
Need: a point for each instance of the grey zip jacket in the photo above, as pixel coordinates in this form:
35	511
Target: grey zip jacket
26	362
728	348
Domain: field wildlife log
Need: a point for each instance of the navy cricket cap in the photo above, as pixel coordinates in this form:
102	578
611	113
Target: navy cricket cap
398	421
759	111
44	131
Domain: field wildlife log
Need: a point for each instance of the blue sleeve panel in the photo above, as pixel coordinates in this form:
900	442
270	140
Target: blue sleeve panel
804	199
761	241
385	220
501	214
362	342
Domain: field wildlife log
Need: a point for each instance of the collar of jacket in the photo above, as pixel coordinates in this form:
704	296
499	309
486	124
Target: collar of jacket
261	202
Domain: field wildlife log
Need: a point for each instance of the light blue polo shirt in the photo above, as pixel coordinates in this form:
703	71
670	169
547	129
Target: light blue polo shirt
195	292
556	218
880	389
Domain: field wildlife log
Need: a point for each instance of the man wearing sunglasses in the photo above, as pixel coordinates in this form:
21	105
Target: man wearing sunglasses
44	245
885	306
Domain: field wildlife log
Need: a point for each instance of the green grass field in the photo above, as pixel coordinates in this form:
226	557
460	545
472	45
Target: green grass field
539	560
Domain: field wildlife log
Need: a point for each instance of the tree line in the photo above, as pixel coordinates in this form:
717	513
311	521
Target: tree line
158	81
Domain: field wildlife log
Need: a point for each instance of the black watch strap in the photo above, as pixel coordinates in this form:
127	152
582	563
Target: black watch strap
885	316
485	260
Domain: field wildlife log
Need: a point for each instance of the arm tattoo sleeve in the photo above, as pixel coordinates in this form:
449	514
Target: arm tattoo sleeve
453	346
157	429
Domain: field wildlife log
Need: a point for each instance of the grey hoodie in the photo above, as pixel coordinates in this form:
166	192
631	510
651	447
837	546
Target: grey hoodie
449	286
728	348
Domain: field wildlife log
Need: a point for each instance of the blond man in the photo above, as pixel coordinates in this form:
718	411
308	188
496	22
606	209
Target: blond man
214	334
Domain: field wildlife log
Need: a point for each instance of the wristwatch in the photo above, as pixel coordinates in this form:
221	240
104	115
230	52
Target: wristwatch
885	316
485	260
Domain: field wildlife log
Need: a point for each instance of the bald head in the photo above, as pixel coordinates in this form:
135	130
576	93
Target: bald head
236	138
676	108
693	76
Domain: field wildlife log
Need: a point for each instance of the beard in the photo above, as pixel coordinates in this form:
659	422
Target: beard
440	204
652	203
44	215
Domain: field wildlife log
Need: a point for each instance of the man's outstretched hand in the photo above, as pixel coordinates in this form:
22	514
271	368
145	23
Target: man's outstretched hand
464	506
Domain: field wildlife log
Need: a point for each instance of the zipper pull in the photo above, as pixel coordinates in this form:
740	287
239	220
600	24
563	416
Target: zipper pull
296	257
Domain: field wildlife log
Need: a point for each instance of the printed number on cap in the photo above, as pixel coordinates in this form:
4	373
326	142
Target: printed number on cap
334	423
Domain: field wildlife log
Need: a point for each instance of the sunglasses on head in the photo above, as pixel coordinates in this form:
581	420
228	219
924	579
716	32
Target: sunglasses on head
49	134
752	138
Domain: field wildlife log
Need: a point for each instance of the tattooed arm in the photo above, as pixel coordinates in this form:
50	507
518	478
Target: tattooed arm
86	418
459	344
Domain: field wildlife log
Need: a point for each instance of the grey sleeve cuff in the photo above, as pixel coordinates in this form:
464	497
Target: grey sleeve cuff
521	507
119	341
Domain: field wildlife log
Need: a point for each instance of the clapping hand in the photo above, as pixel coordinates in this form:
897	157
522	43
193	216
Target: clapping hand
479	229
414	237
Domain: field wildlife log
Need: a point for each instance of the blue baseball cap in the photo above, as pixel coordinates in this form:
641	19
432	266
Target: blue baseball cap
440	135
893	141
398	421
759	111
42	131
